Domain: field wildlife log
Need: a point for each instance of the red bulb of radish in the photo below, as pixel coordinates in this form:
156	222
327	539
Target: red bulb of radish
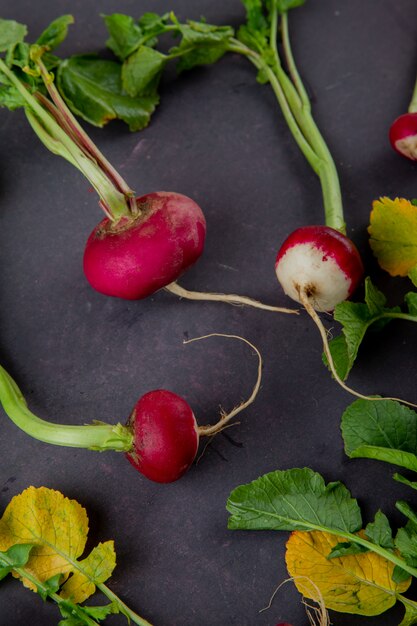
136	257
320	263
403	135
165	436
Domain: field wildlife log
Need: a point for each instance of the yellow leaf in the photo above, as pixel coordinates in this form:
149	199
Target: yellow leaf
98	566
393	234
58	526
360	584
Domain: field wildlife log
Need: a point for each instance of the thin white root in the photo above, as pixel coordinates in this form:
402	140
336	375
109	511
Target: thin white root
233	299
326	349
317	615
226	417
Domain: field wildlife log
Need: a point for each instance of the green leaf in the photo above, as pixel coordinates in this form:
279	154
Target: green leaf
356	318
142	70
385	430
411	301
346	548
399	575
125	34
412	275
92	88
406	510
410	616
16	556
379	531
296	499
10	98
405	481
202	55
50	586
406	543
285	5
56	32
11	33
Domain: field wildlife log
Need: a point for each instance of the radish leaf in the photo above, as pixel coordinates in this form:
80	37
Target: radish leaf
56	32
356	318
92	88
385	430
142	70
11	33
125	34
296	499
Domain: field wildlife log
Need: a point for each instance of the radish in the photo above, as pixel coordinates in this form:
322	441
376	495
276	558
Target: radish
320	264
403	131
160	439
144	244
317	265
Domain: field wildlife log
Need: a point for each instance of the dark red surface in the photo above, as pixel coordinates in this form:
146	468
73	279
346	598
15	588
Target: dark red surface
402	127
219	138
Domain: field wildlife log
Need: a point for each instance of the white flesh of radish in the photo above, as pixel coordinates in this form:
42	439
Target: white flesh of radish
307	269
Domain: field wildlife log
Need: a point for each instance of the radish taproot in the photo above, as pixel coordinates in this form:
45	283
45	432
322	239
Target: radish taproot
160	439
144	244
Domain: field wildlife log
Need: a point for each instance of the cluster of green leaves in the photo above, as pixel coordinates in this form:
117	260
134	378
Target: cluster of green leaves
18	56
357	318
357	570
42	537
99	90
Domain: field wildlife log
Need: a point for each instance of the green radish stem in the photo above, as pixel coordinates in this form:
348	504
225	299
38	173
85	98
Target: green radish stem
97	436
295	105
58	140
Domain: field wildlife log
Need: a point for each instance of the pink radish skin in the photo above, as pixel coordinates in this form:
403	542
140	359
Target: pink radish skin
165	436
403	135
135	257
320	263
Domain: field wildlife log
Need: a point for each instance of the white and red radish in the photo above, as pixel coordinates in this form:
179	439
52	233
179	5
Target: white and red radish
403	135
321	264
161	436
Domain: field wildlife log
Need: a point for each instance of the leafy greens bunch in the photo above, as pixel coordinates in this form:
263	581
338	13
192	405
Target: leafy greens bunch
355	570
42	537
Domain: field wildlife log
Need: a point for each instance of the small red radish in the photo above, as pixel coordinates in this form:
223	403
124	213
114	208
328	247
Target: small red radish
161	436
136	256
403	135
319	263
165	436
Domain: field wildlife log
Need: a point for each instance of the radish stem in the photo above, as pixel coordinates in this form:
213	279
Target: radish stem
233	299
56	139
97	436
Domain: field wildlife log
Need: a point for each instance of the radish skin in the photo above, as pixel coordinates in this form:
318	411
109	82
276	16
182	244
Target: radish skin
320	263
135	257
165	436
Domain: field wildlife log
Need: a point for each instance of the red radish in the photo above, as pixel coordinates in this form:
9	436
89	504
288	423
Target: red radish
132	259
320	263
165	436
144	244
403	135
161	436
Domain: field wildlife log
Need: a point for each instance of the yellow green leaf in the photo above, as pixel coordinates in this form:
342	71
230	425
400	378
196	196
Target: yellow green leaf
97	567
393	234
360	584
58	526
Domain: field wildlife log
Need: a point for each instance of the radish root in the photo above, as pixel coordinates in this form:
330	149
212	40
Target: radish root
305	301
233	299
225	418
317	615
